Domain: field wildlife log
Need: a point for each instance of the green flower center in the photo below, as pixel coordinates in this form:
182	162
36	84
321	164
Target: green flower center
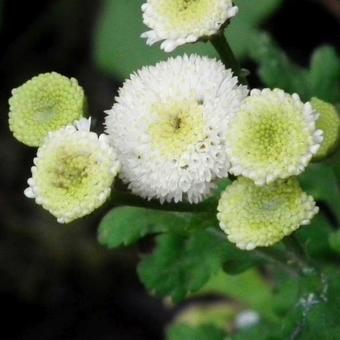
178	126
269	137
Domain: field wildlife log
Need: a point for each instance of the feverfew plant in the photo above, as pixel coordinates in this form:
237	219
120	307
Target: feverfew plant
223	175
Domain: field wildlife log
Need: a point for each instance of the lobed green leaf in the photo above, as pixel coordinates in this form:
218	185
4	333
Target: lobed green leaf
124	226
181	264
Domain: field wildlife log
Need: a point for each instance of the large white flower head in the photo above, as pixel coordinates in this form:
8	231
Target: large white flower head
273	136
73	172
168	127
178	22
254	216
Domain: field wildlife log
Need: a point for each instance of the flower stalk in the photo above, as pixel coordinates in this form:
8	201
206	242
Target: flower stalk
227	56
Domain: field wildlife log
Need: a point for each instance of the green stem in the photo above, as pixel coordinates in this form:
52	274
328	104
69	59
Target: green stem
297	255
269	256
227	56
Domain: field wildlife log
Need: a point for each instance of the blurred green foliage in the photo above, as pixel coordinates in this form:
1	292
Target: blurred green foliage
321	80
119	50
204	332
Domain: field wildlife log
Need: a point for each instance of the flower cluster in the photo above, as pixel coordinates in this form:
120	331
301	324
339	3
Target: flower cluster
174	130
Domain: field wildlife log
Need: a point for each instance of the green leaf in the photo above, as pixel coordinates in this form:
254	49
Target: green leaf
320	181
249	288
321	80
262	331
245	26
315	237
324	76
119	50
334	241
316	313
126	225
275	68
205	332
182	264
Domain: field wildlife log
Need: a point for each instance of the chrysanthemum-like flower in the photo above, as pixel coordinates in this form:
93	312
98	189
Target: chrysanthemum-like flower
168	127
254	216
45	103
273	136
178	22
73	172
329	123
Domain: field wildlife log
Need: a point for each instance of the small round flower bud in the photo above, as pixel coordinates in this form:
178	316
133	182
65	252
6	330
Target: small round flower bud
254	216
45	103
273	136
73	172
178	22
329	123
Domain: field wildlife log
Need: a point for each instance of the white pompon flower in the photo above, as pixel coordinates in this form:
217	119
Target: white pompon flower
273	136
178	22
73	172
169	125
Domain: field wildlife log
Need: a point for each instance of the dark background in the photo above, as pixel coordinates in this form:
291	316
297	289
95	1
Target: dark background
55	281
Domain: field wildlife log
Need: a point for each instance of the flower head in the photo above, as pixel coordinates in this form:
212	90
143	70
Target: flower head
45	103
178	22
168	126
329	123
254	216
73	172
273	136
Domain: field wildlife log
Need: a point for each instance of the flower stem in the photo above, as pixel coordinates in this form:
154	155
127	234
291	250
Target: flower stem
269	256
297	255
227	56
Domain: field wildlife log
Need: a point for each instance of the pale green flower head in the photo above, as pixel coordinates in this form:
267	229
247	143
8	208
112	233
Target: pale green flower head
178	22
73	172
45	103
274	135
329	123
254	216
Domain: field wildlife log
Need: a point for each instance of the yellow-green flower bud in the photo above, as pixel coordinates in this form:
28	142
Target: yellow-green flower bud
218	314
254	216
329	123
45	103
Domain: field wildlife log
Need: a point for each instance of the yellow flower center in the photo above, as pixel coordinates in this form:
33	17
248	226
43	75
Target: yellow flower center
185	12
71	170
178	126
